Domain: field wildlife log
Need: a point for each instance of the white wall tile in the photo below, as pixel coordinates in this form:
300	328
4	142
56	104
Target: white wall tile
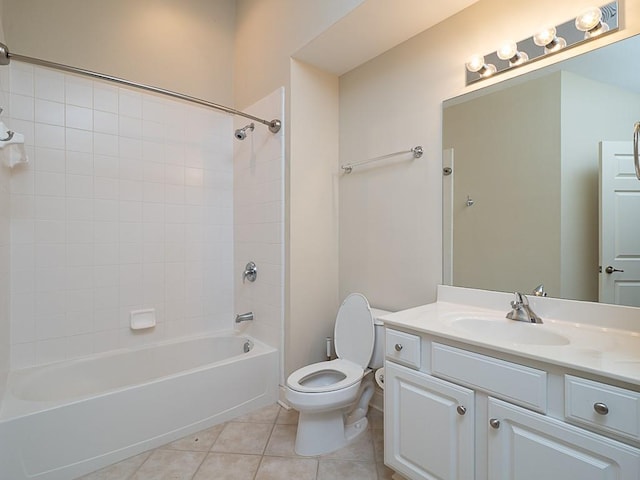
79	140
22	82
78	91
105	98
49	112
79	163
49	85
105	122
49	136
50	160
22	107
79	117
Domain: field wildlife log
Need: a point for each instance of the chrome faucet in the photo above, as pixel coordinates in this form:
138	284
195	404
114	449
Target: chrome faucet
244	317
521	311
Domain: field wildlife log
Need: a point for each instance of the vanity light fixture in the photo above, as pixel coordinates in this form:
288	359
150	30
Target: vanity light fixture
548	39
509	51
590	22
476	64
587	26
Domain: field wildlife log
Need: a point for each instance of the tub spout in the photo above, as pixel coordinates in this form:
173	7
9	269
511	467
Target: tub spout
244	317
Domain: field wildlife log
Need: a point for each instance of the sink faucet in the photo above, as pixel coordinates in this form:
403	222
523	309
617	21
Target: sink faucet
244	317
521	311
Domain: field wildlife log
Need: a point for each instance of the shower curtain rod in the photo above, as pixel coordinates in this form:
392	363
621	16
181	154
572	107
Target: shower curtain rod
6	56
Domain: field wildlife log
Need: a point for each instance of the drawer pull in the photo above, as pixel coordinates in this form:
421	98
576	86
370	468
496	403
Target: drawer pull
601	408
494	422
398	347
461	410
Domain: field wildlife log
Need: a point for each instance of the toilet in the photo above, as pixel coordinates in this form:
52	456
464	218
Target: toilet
333	397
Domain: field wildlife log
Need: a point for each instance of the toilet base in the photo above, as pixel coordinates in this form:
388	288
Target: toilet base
326	432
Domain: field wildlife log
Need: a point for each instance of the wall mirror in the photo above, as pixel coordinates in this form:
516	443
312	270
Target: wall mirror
521	204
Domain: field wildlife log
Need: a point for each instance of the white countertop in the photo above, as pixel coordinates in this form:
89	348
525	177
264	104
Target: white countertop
603	349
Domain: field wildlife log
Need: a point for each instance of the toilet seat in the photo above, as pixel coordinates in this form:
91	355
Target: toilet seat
350	372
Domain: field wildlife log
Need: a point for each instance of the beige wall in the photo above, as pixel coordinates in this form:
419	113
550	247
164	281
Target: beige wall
181	46
591	112
313	213
507	159
390	233
269	32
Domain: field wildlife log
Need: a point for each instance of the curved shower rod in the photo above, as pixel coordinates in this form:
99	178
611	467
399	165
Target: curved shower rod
6	56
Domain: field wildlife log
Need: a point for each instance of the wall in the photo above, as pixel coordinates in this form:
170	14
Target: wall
4	242
268	33
147	41
390	241
611	111
126	204
313	209
258	199
507	155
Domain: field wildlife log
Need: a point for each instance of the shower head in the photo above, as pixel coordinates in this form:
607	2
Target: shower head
241	133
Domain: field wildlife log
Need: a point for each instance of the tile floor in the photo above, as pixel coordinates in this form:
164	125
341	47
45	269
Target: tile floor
256	446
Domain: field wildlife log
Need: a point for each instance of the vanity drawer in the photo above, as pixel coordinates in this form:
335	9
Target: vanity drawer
512	382
603	407
402	347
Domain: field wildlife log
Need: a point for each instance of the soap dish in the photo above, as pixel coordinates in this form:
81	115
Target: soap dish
141	319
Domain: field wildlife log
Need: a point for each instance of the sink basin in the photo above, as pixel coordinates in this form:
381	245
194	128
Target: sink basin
503	330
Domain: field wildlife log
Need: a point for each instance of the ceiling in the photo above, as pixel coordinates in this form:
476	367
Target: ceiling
372	28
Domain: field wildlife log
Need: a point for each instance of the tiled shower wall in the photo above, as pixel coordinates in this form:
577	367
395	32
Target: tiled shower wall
127	203
259	222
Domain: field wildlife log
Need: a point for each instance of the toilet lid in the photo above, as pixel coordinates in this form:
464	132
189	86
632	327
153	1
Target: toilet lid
354	333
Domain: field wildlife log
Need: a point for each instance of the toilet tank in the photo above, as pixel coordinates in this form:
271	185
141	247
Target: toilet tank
377	357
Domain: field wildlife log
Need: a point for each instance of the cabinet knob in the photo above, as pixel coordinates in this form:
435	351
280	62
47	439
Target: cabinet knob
461	410
601	408
494	422
398	347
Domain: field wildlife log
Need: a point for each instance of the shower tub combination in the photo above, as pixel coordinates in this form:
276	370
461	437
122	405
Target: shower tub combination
64	420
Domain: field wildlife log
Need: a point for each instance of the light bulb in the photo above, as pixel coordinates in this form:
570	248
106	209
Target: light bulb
590	22
588	19
547	39
475	63
544	37
509	51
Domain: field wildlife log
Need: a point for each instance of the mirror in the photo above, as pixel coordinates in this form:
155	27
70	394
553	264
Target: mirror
521	206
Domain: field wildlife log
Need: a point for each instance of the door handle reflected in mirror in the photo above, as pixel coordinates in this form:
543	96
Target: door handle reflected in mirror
610	270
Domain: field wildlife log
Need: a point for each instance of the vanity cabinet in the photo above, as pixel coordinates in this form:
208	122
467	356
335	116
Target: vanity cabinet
461	414
429	425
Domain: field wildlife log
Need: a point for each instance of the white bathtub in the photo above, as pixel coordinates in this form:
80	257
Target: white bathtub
63	420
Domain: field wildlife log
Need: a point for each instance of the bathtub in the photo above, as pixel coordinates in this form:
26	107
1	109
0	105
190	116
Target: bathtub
63	420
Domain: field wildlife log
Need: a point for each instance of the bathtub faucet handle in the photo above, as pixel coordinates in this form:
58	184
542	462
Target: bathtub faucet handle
244	317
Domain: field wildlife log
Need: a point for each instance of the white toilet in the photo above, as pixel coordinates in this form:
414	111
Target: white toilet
333	397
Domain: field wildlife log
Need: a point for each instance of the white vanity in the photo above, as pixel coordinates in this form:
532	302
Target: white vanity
472	395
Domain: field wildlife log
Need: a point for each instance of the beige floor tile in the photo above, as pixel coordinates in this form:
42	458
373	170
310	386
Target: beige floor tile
282	441
334	469
201	441
361	450
249	438
288	417
376	418
377	435
170	465
228	466
279	468
119	471
266	414
384	472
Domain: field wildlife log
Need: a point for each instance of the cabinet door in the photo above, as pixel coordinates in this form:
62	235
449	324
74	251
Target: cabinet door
524	445
429	426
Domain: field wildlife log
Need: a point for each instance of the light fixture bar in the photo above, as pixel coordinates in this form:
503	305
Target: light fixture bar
585	27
